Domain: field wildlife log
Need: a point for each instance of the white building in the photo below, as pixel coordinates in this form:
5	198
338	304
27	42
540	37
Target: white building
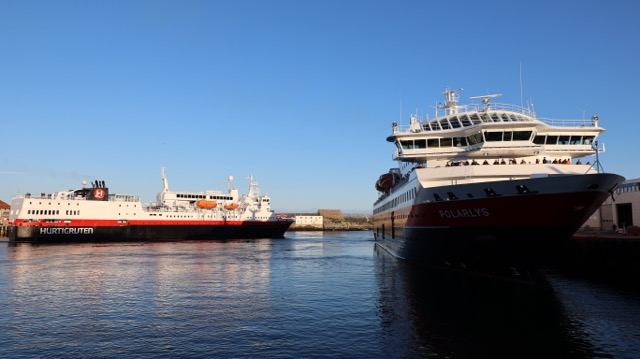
309	221
621	211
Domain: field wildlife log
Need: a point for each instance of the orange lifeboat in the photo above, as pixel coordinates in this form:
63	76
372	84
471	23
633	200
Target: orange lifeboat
231	206
386	181
203	203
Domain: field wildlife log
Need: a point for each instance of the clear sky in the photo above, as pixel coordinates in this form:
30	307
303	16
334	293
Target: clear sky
300	94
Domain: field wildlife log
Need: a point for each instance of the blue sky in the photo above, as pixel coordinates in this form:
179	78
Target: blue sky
300	94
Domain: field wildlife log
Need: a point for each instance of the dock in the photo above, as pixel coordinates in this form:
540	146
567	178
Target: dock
605	254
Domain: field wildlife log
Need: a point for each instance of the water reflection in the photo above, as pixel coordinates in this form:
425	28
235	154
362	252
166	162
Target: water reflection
456	315
117	297
309	295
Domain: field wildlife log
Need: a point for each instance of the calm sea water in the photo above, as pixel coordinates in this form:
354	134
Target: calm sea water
310	295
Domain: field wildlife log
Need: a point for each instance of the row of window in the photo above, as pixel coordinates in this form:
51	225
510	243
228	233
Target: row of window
124	198
191	196
495	136
410	195
440	142
404	197
563	140
203	196
473	119
49	203
52	212
43	212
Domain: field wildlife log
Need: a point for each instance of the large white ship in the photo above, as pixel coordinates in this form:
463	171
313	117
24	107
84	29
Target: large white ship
94	214
488	187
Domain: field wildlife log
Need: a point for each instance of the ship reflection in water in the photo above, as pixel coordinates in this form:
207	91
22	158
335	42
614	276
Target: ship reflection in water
457	315
311	294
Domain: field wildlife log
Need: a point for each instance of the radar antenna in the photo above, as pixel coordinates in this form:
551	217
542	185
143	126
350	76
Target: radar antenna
451	101
486	99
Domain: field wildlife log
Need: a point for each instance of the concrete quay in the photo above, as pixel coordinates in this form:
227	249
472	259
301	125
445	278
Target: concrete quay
606	255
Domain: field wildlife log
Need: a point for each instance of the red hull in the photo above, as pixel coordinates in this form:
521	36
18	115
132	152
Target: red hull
526	211
494	233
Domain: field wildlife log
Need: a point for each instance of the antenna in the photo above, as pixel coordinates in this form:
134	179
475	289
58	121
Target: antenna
230	179
400	97
521	102
486	99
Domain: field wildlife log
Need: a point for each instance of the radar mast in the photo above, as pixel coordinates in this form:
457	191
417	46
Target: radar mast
451	101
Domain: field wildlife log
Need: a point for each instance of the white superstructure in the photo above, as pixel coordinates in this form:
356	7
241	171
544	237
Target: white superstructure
470	143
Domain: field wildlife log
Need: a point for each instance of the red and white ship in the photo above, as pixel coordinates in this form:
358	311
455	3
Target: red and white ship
93	214
488	187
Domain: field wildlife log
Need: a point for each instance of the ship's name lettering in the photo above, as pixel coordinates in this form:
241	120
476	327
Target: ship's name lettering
79	230
464	213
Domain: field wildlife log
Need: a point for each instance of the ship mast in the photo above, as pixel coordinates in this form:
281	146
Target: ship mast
165	187
253	190
451	101
165	182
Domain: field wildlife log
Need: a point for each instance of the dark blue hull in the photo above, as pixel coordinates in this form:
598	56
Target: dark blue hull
52	234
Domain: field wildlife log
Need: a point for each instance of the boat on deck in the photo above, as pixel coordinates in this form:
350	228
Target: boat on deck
387	180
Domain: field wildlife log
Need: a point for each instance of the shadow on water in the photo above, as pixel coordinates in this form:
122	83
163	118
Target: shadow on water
458	315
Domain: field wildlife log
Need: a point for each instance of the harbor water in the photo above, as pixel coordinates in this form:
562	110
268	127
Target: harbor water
309	295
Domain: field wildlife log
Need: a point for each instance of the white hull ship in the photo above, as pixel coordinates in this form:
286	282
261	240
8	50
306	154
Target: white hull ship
488	187
92	214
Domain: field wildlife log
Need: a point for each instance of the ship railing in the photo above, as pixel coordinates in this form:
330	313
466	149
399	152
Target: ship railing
568	123
477	108
157	207
575	123
47	196
72	197
496	107
123	198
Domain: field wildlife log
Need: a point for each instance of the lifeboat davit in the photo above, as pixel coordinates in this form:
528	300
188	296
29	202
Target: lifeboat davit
203	203
231	206
386	181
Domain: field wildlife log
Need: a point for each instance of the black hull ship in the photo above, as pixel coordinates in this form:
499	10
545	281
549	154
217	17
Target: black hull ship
92	214
488	188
